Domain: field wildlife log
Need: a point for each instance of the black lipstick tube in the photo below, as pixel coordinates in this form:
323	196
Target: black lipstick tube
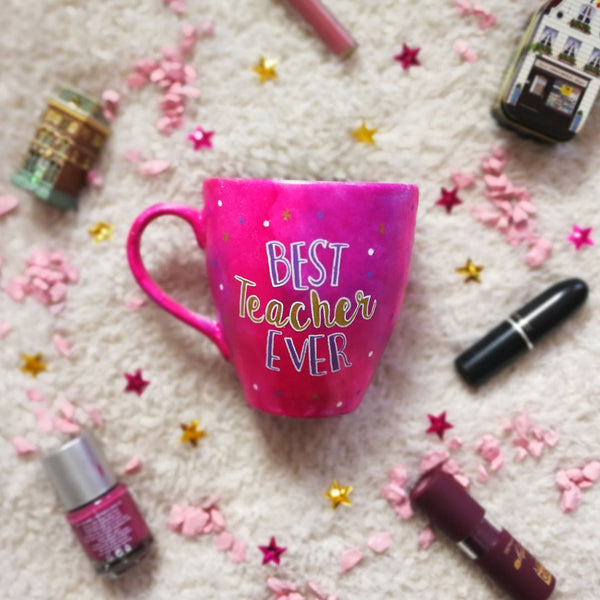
519	333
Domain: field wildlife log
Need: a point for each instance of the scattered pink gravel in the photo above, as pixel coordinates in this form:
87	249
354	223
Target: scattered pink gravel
349	559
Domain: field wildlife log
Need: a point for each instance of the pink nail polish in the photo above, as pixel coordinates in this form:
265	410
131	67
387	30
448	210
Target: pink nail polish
102	513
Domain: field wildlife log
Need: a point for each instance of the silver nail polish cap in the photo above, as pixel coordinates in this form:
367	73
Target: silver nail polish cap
79	471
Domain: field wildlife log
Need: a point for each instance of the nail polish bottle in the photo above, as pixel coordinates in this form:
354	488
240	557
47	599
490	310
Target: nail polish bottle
495	551
102	513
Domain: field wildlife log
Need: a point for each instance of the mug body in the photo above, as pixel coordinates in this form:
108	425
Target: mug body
307	279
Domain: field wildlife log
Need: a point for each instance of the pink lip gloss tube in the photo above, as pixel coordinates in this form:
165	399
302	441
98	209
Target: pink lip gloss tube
326	26
100	510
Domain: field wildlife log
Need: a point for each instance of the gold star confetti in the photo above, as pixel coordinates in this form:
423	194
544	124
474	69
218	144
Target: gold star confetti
191	433
33	365
338	494
471	271
364	135
101	231
265	69
286	214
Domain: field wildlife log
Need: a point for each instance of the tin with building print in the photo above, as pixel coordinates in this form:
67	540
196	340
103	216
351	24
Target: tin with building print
552	84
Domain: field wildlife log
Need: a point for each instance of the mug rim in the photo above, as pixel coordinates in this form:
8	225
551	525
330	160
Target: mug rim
311	182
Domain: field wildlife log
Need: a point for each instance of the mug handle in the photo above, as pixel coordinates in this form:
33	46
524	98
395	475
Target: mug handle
210	328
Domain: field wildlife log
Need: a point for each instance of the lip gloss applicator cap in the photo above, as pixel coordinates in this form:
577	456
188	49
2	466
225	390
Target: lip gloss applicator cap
327	27
519	333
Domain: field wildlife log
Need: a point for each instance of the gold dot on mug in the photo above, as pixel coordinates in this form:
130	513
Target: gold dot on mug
266	223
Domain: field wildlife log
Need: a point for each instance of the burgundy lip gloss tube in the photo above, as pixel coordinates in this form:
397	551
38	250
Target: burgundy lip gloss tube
102	513
327	27
509	564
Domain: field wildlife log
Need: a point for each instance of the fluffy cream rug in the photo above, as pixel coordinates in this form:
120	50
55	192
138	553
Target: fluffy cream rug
271	473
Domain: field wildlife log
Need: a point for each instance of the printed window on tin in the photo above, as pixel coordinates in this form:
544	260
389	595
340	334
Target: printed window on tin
594	60
586	14
571	48
548	37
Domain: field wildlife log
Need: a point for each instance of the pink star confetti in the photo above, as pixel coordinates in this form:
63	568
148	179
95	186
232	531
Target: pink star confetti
177	6
133	465
572	482
110	104
44	421
201	138
463	180
580	237
426	538
396	494
62	345
512	210
23	446
438	425
8	203
408	57
5	329
466	8
349	559
272	552
171	74
135	302
46	279
65	425
135	383
151	168
464	50
449	199
380	541
94	414
94	179
34	395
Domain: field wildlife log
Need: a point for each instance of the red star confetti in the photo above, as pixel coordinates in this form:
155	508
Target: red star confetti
471	271
449	199
272	552
201	138
135	383
580	237
408	57
191	433
438	425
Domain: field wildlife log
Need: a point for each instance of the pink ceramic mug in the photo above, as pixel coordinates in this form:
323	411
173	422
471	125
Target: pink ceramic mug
307	279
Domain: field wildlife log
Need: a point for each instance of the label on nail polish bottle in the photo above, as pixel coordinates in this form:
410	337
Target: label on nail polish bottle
110	527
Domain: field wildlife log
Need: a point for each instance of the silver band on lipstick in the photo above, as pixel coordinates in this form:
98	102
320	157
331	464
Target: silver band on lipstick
516	325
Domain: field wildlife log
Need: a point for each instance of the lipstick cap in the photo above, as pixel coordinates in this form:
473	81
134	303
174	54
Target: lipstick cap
515	336
447	504
79	471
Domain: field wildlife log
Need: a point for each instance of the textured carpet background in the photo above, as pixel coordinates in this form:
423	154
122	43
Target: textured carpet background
270	473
